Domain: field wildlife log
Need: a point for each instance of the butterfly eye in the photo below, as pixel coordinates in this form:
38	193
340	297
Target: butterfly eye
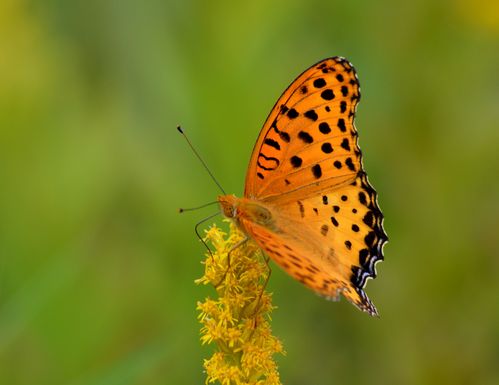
228	208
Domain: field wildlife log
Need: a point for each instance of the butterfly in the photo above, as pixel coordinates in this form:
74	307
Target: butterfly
307	202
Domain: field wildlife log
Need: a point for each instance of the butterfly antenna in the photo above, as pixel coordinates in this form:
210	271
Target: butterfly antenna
200	159
181	210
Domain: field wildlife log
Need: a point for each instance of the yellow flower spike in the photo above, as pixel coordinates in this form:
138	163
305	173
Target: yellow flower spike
238	321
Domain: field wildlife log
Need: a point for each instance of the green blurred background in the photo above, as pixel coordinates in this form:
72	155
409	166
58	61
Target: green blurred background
97	267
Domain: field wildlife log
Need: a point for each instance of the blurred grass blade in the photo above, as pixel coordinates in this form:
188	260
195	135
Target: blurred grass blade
24	305
128	369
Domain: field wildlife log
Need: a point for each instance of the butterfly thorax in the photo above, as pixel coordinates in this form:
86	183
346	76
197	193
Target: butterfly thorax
241	209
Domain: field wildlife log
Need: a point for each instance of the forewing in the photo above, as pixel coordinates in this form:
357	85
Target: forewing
309	139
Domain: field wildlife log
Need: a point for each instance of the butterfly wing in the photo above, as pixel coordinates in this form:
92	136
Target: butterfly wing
306	168
309	136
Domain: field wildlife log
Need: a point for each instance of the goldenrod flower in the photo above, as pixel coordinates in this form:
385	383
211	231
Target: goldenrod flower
238	321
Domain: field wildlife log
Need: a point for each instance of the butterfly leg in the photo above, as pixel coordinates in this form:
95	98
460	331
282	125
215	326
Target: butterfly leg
264	286
237	245
269	272
199	236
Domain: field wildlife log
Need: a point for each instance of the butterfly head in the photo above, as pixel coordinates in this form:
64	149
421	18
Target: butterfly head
229	204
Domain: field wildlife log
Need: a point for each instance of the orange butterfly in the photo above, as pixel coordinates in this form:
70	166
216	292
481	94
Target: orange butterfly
307	201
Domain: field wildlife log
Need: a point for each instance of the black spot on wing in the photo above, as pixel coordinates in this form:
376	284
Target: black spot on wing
341	125
272	143
301	208
317	171
326	148
284	136
305	137
292	113
369	219
370	238
362	198
296	161
327	94
324	128
350	164
345	144
319	83
312	115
